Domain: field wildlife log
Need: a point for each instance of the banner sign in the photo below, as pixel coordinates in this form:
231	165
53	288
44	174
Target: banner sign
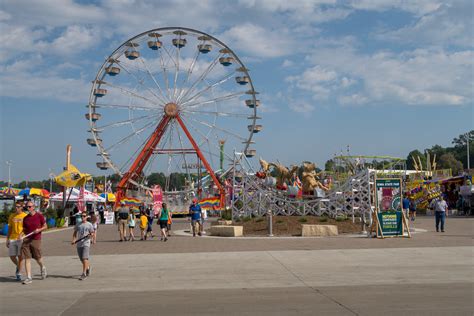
109	217
390	223
389	194
157	193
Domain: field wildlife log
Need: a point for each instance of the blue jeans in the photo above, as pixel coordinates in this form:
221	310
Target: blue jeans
440	217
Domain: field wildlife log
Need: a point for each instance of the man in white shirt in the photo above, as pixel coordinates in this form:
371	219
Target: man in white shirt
441	212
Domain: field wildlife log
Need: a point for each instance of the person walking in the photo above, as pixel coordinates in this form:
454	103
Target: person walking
131	225
82	236
163	221
149	229
14	241
34	223
441	212
195	211
122	213
143	225
95	225
405	205
412	209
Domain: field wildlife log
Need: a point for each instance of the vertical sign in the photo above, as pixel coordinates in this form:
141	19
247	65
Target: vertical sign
157	193
389	194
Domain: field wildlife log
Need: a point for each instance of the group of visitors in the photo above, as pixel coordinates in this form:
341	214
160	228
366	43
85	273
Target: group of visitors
26	224
127	221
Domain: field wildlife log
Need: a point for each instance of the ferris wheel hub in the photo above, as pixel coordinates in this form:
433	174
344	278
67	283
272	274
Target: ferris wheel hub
171	109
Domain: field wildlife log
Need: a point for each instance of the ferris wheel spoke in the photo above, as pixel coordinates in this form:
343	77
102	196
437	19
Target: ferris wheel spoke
201	77
125	107
218	99
165	74
217	83
178	56
205	139
164	100
128	137
140	81
218	128
125	122
132	157
215	113
133	94
188	74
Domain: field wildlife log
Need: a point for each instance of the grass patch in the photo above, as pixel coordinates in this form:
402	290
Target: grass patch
246	219
258	220
303	220
323	219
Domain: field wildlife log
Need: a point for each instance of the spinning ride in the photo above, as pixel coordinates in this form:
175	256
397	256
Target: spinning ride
167	100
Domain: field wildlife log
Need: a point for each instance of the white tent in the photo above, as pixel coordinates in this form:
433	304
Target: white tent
74	196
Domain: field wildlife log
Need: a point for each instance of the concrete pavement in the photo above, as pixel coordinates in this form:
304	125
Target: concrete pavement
431	274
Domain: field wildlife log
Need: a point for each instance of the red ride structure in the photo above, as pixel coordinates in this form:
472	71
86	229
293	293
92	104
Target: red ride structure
162	95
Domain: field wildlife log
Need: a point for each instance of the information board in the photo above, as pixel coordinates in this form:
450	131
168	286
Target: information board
390	223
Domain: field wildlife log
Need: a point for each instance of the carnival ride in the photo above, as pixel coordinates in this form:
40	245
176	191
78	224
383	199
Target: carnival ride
167	100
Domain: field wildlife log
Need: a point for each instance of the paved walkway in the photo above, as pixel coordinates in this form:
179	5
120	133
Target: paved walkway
431	274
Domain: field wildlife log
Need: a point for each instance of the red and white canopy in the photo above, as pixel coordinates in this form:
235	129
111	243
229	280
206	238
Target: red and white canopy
74	197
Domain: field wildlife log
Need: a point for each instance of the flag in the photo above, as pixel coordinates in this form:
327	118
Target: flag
157	193
209	203
80	201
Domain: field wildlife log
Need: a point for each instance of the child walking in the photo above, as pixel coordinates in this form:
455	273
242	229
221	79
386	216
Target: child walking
143	225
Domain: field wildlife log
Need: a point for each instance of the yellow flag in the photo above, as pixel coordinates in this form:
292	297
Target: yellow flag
72	178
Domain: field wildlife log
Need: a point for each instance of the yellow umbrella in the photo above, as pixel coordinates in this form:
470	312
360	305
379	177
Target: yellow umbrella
72	178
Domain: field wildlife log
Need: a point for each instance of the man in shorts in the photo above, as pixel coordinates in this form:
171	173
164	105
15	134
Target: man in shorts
195	212
83	233
34	223
123	213
14	241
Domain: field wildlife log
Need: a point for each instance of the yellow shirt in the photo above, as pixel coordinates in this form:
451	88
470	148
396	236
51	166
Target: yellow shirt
15	224
143	222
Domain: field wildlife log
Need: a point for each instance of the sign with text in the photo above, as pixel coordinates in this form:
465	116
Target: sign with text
390	223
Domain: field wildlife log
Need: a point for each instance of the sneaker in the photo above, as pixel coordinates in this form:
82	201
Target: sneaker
82	277
166	239
442	231
28	281
88	271
18	275
44	274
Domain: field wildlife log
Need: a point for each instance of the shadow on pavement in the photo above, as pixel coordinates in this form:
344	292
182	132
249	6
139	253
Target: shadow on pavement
55	276
8	279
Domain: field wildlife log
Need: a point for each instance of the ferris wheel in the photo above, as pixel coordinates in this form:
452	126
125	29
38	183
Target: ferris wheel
173	101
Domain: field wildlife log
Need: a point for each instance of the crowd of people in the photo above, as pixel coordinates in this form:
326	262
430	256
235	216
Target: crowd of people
27	223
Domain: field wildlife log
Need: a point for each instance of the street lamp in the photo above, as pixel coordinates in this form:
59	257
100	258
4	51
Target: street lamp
9	164
467	142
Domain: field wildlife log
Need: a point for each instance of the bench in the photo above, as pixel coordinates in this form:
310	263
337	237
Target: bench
227	231
318	230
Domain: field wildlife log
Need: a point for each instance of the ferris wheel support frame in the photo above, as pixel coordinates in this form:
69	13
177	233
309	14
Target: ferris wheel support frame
148	149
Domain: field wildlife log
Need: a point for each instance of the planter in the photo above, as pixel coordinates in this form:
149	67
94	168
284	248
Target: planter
51	222
4	230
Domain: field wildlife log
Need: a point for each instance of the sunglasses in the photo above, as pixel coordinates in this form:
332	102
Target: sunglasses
30	206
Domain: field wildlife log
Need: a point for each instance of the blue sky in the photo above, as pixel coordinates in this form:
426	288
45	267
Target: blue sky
384	77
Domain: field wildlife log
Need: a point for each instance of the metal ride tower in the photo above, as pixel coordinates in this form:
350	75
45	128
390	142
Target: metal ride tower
169	98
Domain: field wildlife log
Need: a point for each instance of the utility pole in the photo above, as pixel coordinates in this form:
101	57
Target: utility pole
467	143
9	164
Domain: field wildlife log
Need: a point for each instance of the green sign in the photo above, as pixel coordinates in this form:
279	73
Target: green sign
391	223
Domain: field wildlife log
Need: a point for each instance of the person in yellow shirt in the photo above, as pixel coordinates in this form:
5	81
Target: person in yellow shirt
15	232
143	224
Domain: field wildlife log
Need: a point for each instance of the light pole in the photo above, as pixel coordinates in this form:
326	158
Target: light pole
467	142
9	164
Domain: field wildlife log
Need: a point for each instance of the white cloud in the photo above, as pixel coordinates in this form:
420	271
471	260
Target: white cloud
418	7
419	77
449	24
259	41
353	99
287	63
74	40
301	106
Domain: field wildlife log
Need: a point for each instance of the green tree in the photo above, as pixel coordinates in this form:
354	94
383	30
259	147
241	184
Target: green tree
415	154
448	161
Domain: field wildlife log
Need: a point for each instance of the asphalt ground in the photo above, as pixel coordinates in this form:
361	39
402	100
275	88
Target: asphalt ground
429	274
